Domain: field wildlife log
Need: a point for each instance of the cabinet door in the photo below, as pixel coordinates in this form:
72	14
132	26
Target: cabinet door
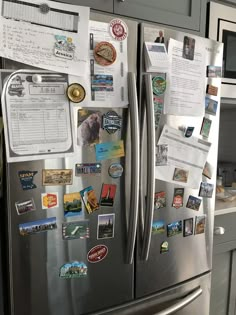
102	5
179	13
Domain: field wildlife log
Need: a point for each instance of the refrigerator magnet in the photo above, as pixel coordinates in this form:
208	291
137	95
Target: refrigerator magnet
25	206
88	169
178	198
111	122
106	226
64	47
118	29
174	228
75	92
49	200
188	132
54	177
180	175
158	85
212	90
72	204
214	72
108	195
161	154
206	190
97	254
206	126
200	223
26	179
188	48
158	227
89	199
75	230
208	170
188	227
210	106
109	150
34	227
158	109
101	83
75	269
164	248
159	200
115	170
105	54
193	203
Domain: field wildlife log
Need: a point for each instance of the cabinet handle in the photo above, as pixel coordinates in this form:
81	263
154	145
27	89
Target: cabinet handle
219	230
121	0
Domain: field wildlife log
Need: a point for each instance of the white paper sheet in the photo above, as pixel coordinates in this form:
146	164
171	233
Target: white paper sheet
38	118
28	36
119	69
188	154
185	93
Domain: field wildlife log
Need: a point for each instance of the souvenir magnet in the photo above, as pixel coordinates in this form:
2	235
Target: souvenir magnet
206	126
193	203
109	150
158	85
44	8
87	168
34	227
200	224
158	109
159	200
26	179
97	253
178	198
158	227
74	269
115	170
105	54
180	175
89	127
75	92
210	106
102	82
188	227
208	170
25	206
118	29
188	132
188	48
111	122
106	225
174	228
107	195
206	190
64	48
72	204
161	154
75	230
54	177
164	247
212	90
89	199
214	71
49	200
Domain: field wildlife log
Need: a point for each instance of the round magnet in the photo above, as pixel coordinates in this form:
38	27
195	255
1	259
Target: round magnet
158	85
118	29
36	78
76	93
44	8
105	54
115	170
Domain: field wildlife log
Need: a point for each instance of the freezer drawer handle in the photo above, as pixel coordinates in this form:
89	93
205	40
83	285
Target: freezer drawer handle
219	230
184	302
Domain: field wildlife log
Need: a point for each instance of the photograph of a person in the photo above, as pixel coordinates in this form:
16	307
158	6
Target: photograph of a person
188	48
160	38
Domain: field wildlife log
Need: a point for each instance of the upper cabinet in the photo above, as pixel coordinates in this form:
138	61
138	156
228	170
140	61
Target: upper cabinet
102	5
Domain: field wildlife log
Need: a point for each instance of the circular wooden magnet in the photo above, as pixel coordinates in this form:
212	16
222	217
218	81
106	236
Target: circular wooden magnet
105	54
76	93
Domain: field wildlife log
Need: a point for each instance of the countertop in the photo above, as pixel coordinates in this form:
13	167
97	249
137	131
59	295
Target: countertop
224	207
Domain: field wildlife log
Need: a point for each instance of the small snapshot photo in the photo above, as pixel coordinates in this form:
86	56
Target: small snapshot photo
212	90
108	195
57	177
206	190
208	170
72	204
210	106
193	203
89	199
200	224
214	71
159	200
106	226
158	227
161	154
188	48
88	127
75	229
178	198
38	226
180	175
206	126
102	82
174	228
188	227
25	206
160	37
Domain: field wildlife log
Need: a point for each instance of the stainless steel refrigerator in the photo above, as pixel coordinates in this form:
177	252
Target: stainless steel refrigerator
134	277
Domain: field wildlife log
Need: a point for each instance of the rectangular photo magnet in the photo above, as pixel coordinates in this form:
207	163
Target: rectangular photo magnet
108	195
188	227
25	206
200	224
89	199
193	203
106	225
206	190
174	228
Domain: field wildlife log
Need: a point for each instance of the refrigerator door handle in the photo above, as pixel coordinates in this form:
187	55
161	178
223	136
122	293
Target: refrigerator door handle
150	168
184	302
135	159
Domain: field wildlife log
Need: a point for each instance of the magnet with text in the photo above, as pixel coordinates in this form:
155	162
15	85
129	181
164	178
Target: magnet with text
161	154
180	175
75	230
158	85
159	200
75	269
49	200
174	228
64	47
118	29
200	224
109	150
193	203
210	106
208	170
178	198
97	254
188	227
188	132
108	195
25	206
89	199
26	179
115	170
164	248
72	204
214	72
76	93
88	169
102	83
111	122
106	226
206	126
54	177
206	190
188	48
105	54
212	90
158	227
35	227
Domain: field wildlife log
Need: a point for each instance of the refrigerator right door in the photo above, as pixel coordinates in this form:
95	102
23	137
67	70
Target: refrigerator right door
172	248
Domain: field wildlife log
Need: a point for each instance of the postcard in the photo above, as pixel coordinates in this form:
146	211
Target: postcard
109	150
43	225
54	177
88	169
200	224
180	175
25	206
188	227
89	199
72	204
158	227
208	170
75	229
26	179
106	226
74	269
206	126
214	71
161	154
193	203
159	200
206	190
49	200
178	198
174	228
108	195
210	106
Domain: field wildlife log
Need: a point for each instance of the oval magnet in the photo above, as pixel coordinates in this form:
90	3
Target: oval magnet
44	8
158	85
76	93
104	53
115	170
118	29
97	253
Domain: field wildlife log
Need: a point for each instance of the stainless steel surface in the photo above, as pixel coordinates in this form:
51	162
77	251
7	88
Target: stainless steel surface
150	169
133	218
219	230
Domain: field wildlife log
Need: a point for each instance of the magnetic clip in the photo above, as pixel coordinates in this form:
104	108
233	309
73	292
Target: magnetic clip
188	131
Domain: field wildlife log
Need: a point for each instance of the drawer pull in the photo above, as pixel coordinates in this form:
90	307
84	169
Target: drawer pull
219	230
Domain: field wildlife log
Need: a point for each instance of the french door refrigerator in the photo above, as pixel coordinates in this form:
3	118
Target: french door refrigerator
134	277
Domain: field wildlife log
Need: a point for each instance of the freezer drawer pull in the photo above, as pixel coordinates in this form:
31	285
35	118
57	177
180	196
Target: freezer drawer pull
184	302
219	230
134	123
